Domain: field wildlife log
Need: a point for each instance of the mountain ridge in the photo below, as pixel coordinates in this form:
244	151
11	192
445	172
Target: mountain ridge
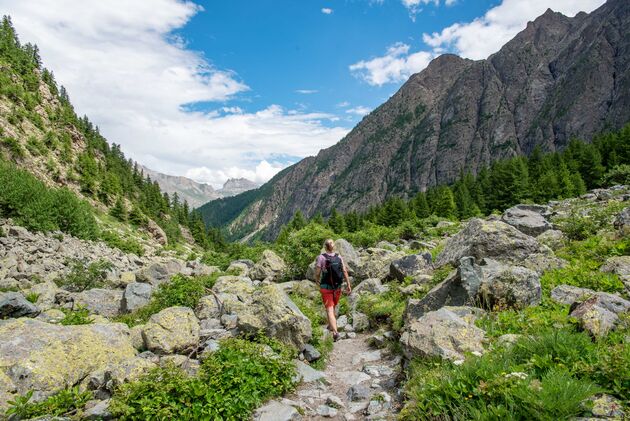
559	78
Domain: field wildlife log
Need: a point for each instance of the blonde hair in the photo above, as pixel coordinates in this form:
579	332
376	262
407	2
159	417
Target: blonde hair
329	245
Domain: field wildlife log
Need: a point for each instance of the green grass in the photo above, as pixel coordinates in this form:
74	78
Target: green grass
232	382
65	402
85	276
313	310
180	291
384	309
78	316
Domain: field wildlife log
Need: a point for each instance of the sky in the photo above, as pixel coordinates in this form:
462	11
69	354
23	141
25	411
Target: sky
243	88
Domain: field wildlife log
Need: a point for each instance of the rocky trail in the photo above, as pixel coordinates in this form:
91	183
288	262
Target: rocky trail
359	382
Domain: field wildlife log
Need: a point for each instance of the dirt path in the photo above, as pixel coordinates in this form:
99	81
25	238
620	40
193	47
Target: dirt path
359	383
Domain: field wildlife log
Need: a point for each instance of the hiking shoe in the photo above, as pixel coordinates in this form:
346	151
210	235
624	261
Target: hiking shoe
335	337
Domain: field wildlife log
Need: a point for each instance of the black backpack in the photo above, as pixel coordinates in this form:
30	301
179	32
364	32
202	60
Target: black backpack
333	271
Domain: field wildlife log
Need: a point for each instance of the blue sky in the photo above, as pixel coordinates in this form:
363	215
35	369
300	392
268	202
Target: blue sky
221	89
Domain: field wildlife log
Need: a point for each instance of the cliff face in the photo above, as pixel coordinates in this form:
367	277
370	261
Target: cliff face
559	78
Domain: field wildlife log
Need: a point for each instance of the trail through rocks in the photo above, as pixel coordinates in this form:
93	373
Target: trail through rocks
359	383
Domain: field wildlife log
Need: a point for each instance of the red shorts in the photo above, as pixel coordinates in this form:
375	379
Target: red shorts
330	297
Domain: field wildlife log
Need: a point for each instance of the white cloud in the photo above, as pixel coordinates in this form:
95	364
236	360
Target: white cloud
124	69
415	6
343	104
263	172
395	66
487	34
327	10
360	110
306	91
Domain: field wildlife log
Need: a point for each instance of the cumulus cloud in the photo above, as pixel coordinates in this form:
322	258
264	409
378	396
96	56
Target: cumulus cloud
395	66
261	173
125	69
327	10
306	91
360	110
485	35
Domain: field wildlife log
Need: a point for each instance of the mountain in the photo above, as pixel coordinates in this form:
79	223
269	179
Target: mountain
559	78
196	194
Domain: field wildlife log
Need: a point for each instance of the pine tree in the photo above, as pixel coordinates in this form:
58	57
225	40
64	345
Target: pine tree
318	219
445	203
119	210
298	222
336	222
421	206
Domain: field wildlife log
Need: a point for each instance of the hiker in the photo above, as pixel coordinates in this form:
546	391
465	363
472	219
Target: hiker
330	272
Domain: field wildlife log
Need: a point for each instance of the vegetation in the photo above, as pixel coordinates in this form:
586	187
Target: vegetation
180	291
65	402
313	310
84	276
78	316
232	382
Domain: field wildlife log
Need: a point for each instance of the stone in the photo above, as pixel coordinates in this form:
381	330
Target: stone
46	358
334	402
52	315
306	373
489	239
137	340
97	411
101	301
508	339
210	347
360	322
172	330
375	262
271	266
240	287
126	278
326	411
238	268
104	381
20	233
46	292
409	266
229	321
529	219
468	314
208	307
156	232
618	265
270	310
441	333
352	377
509	286
569	294
155	274
366	357
311	354
598	314
277	411
606	406
349	254
136	296
14	305
359	392
372	286
622	221
204	270
553	239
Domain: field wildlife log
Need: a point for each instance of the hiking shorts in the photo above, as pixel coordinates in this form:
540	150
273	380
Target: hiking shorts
330	297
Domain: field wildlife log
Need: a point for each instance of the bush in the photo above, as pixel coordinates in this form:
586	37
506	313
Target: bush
79	316
130	245
84	276
180	291
619	174
386	308
232	382
301	248
65	402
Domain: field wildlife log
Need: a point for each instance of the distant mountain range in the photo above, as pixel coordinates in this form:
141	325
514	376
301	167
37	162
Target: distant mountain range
559	78
196	194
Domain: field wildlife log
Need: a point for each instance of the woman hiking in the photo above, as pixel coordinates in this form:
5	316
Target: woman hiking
330	273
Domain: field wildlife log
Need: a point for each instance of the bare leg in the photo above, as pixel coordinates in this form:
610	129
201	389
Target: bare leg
332	321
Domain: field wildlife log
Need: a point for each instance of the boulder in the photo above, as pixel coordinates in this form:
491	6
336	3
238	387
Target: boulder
311	354
269	309
97	410
375	263
493	239
157	232
350	256
306	373
460	288
238	268
372	286
441	333
509	286
552	238
360	322
204	270
529	219
155	274
209	307
599	314
104	381
271	266
277	411
172	330
136	295
569	294
409	266
44	357
622	221
46	291
101	301
14	305
618	265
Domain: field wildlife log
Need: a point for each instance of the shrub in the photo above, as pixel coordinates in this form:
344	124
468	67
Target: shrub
78	316
386	308
232	382
14	147
180	291
301	248
129	245
619	174
84	276
65	402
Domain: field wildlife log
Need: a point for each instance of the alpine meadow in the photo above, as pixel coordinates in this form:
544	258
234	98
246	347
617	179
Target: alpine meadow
259	245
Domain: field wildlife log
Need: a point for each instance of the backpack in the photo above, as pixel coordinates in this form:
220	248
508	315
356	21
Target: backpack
334	270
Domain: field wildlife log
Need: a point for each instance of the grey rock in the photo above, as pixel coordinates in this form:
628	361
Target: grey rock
13	304
271	266
606	406
509	286
334	402
409	266
310	353
598	314
277	411
97	411
104	381
552	238
529	219
622	221
360	322
229	321
359	392
349	254
373	286
441	333
326	411
101	301
155	274
306	373
136	295
569	294
619	265
352	377
490	239
175	329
